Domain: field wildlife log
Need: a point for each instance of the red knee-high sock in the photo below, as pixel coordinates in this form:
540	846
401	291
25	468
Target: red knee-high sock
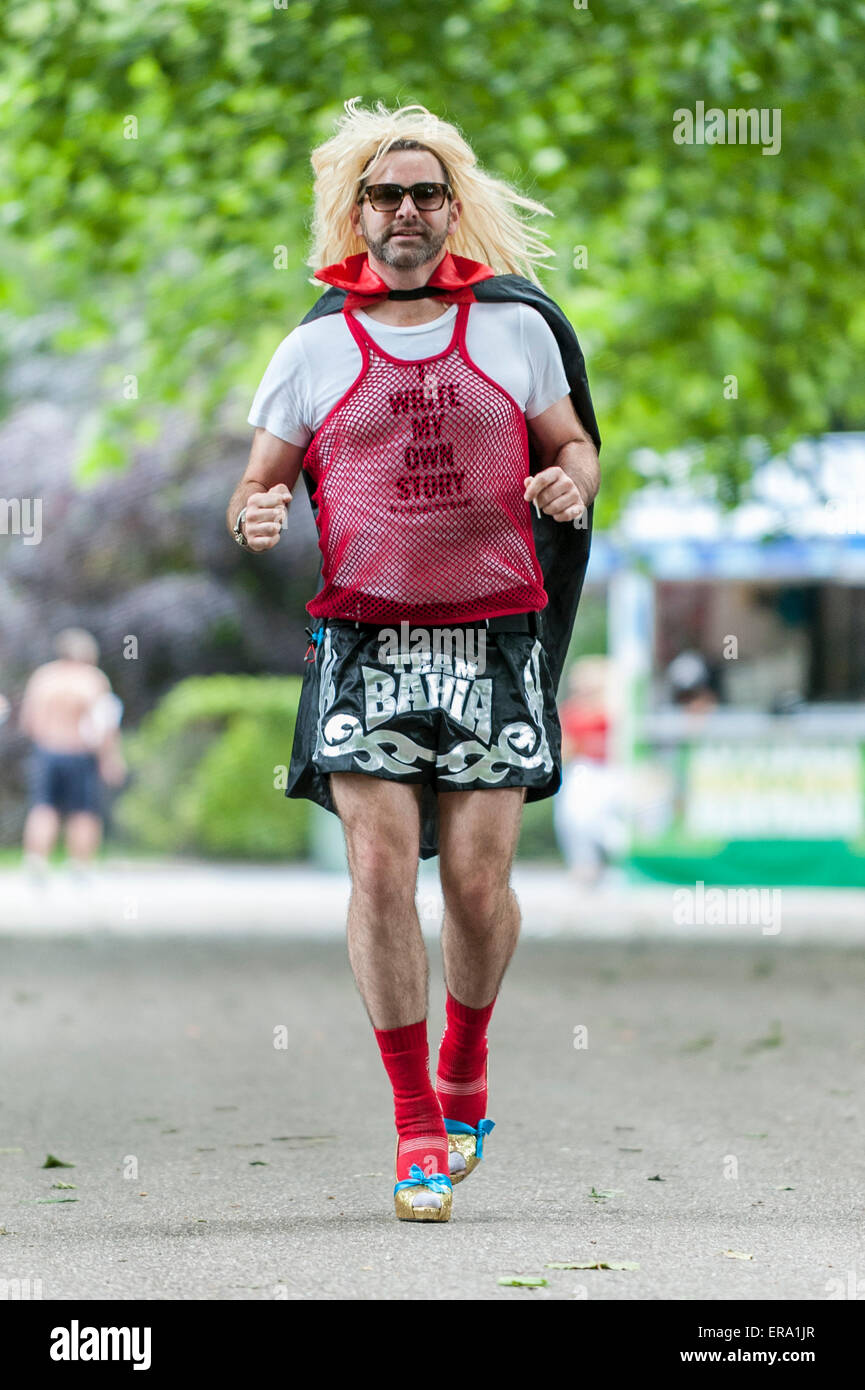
419	1123
461	1078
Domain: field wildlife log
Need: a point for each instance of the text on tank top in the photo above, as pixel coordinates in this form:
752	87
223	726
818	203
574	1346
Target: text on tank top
419	473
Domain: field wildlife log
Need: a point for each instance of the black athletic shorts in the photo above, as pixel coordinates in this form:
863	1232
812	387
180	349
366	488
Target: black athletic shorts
456	708
69	782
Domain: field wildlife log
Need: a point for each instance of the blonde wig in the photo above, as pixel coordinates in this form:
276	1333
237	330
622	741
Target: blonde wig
489	228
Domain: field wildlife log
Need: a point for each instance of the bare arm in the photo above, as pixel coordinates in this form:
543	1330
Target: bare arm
570	475
25	709
112	764
265	488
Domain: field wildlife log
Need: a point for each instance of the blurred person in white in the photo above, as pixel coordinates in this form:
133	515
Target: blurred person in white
73	718
588	813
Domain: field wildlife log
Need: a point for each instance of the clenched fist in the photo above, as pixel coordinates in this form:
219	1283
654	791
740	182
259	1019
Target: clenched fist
265	517
554	491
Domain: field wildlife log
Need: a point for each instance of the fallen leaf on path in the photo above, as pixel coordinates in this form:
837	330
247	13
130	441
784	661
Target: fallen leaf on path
303	1138
258	1163
656	1178
785	1189
774	1038
523	1281
623	1150
52	1162
595	1264
70	1185
51	1199
736	1255
600	1194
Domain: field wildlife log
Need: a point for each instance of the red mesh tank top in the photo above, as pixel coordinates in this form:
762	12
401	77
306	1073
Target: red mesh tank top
419	474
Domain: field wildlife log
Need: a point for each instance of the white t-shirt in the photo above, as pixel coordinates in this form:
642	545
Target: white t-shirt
316	364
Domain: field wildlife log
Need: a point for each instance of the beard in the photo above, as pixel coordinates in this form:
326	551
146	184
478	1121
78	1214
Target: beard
403	256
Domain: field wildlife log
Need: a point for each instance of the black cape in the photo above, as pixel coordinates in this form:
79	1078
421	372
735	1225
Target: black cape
562	550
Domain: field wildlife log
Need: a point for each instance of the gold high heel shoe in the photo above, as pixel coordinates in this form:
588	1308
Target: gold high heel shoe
468	1143
422	1198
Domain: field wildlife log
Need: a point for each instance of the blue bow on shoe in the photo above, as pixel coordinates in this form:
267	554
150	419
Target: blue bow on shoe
437	1182
457	1127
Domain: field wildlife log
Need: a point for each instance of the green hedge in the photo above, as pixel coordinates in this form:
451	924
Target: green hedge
206	766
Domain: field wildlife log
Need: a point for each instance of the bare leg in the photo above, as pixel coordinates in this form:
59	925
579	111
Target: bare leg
478	835
41	829
83	835
381	821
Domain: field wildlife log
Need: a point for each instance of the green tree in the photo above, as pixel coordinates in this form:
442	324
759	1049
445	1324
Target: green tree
704	262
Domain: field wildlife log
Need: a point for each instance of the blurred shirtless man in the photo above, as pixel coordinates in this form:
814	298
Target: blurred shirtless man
72	717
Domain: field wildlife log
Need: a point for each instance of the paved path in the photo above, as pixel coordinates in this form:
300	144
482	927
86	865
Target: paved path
717	1101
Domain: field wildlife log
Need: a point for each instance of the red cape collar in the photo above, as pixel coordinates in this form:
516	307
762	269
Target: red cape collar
456	274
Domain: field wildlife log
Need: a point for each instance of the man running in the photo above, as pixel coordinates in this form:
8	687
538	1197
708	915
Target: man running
72	717
429	408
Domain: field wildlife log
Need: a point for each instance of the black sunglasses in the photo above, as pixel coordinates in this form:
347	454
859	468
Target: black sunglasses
387	197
